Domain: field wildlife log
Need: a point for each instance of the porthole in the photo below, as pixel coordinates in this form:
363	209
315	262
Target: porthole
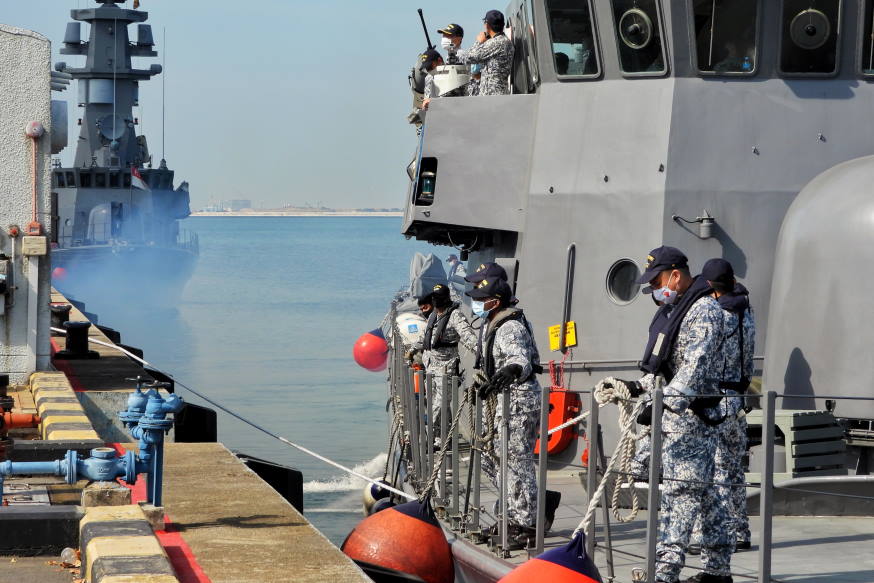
622	286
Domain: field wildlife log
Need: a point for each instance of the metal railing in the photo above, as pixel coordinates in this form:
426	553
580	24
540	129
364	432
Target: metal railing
459	498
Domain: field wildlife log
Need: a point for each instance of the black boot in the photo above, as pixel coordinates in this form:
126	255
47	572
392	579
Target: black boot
553	499
519	537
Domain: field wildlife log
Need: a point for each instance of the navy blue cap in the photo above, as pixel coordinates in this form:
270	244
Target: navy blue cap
425	299
429	58
493	287
452	30
452	257
718	270
439	292
487	270
662	259
495	20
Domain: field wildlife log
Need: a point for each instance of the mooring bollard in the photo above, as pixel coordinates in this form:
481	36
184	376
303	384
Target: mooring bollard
77	342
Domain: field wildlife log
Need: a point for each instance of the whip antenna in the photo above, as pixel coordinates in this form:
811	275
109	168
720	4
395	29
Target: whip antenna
425	28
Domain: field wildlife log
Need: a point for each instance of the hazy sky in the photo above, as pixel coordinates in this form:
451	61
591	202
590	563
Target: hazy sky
279	101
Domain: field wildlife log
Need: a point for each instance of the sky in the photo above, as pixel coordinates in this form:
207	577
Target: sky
279	101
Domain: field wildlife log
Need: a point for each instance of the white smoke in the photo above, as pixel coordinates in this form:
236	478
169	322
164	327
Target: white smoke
348	483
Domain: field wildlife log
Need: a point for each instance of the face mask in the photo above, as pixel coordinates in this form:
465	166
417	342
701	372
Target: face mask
665	295
446	43
476	69
479	309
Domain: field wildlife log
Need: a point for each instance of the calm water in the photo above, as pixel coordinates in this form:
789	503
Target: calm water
266	326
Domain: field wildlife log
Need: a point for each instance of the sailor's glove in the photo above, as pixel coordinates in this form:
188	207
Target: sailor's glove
634	388
645	416
506	377
411	354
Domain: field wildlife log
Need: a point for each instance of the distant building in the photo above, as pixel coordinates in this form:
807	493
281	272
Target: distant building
238	204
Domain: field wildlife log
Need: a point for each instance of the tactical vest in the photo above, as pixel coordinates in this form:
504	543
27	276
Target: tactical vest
743	384
436	328
665	327
486	345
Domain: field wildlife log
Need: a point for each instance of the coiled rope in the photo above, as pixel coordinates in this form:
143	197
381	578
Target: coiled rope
611	390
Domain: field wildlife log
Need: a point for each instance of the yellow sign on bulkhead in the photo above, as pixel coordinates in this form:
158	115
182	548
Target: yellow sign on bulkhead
570	336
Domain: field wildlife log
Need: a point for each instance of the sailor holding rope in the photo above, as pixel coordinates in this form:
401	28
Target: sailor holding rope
685	346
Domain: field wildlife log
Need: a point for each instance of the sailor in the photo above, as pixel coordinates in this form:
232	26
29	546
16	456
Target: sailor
426	305
453	35
428	61
685	346
476	75
495	52
446	327
731	444
509	361
455	276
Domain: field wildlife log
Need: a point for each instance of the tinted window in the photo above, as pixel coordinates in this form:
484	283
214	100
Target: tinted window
638	35
810	36
573	38
725	33
867	57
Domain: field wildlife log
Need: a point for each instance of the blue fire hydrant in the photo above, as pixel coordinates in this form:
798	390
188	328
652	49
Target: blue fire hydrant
146	420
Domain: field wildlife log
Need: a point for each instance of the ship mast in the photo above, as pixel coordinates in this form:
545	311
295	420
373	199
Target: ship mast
108	83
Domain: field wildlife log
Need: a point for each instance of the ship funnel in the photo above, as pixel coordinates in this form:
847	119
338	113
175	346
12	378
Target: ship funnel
73	35
144	35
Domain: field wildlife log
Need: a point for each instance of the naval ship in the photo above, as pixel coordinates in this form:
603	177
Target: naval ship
726	128
115	211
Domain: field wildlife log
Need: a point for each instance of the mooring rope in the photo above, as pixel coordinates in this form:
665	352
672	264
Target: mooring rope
252	424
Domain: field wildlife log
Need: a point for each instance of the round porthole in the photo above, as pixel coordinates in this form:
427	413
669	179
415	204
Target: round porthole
622	286
810	29
635	28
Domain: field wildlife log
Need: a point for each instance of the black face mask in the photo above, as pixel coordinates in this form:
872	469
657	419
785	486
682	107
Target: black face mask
425	313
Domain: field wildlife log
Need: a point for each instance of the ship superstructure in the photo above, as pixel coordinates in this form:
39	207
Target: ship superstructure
696	124
116	212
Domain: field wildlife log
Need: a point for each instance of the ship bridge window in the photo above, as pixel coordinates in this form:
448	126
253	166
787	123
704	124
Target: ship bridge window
725	33
867	43
524	77
639	37
573	39
809	44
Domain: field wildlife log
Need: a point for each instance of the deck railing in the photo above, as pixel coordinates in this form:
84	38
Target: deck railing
459	498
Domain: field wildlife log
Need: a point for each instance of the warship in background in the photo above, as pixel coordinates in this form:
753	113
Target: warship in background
114	214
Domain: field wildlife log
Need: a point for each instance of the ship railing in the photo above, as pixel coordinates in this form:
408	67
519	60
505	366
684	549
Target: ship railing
189	240
459	492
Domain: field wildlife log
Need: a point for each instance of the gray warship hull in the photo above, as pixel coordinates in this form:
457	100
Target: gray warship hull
650	138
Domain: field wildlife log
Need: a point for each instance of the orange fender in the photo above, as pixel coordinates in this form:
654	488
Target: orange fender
563	406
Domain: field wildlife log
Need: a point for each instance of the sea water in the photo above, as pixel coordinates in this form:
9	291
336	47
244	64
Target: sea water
266	326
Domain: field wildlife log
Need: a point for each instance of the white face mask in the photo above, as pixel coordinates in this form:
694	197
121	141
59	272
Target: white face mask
447	44
665	295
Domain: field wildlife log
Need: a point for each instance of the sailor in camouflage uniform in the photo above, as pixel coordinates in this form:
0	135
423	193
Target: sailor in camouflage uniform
509	360
446	327
495	52
685	346
738	350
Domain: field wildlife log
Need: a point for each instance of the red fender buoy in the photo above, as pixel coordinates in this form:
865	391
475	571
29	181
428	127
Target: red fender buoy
59	274
405	539
569	564
371	351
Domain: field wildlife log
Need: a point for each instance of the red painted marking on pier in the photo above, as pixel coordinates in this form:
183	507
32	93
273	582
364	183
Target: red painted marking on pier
64	367
188	570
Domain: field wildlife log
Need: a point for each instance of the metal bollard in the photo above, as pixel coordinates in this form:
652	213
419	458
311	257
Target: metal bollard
655	470
767	487
60	314
592	471
77	343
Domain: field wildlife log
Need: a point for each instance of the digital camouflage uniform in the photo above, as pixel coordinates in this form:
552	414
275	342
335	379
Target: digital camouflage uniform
514	344
496	57
442	361
731	444
689	446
